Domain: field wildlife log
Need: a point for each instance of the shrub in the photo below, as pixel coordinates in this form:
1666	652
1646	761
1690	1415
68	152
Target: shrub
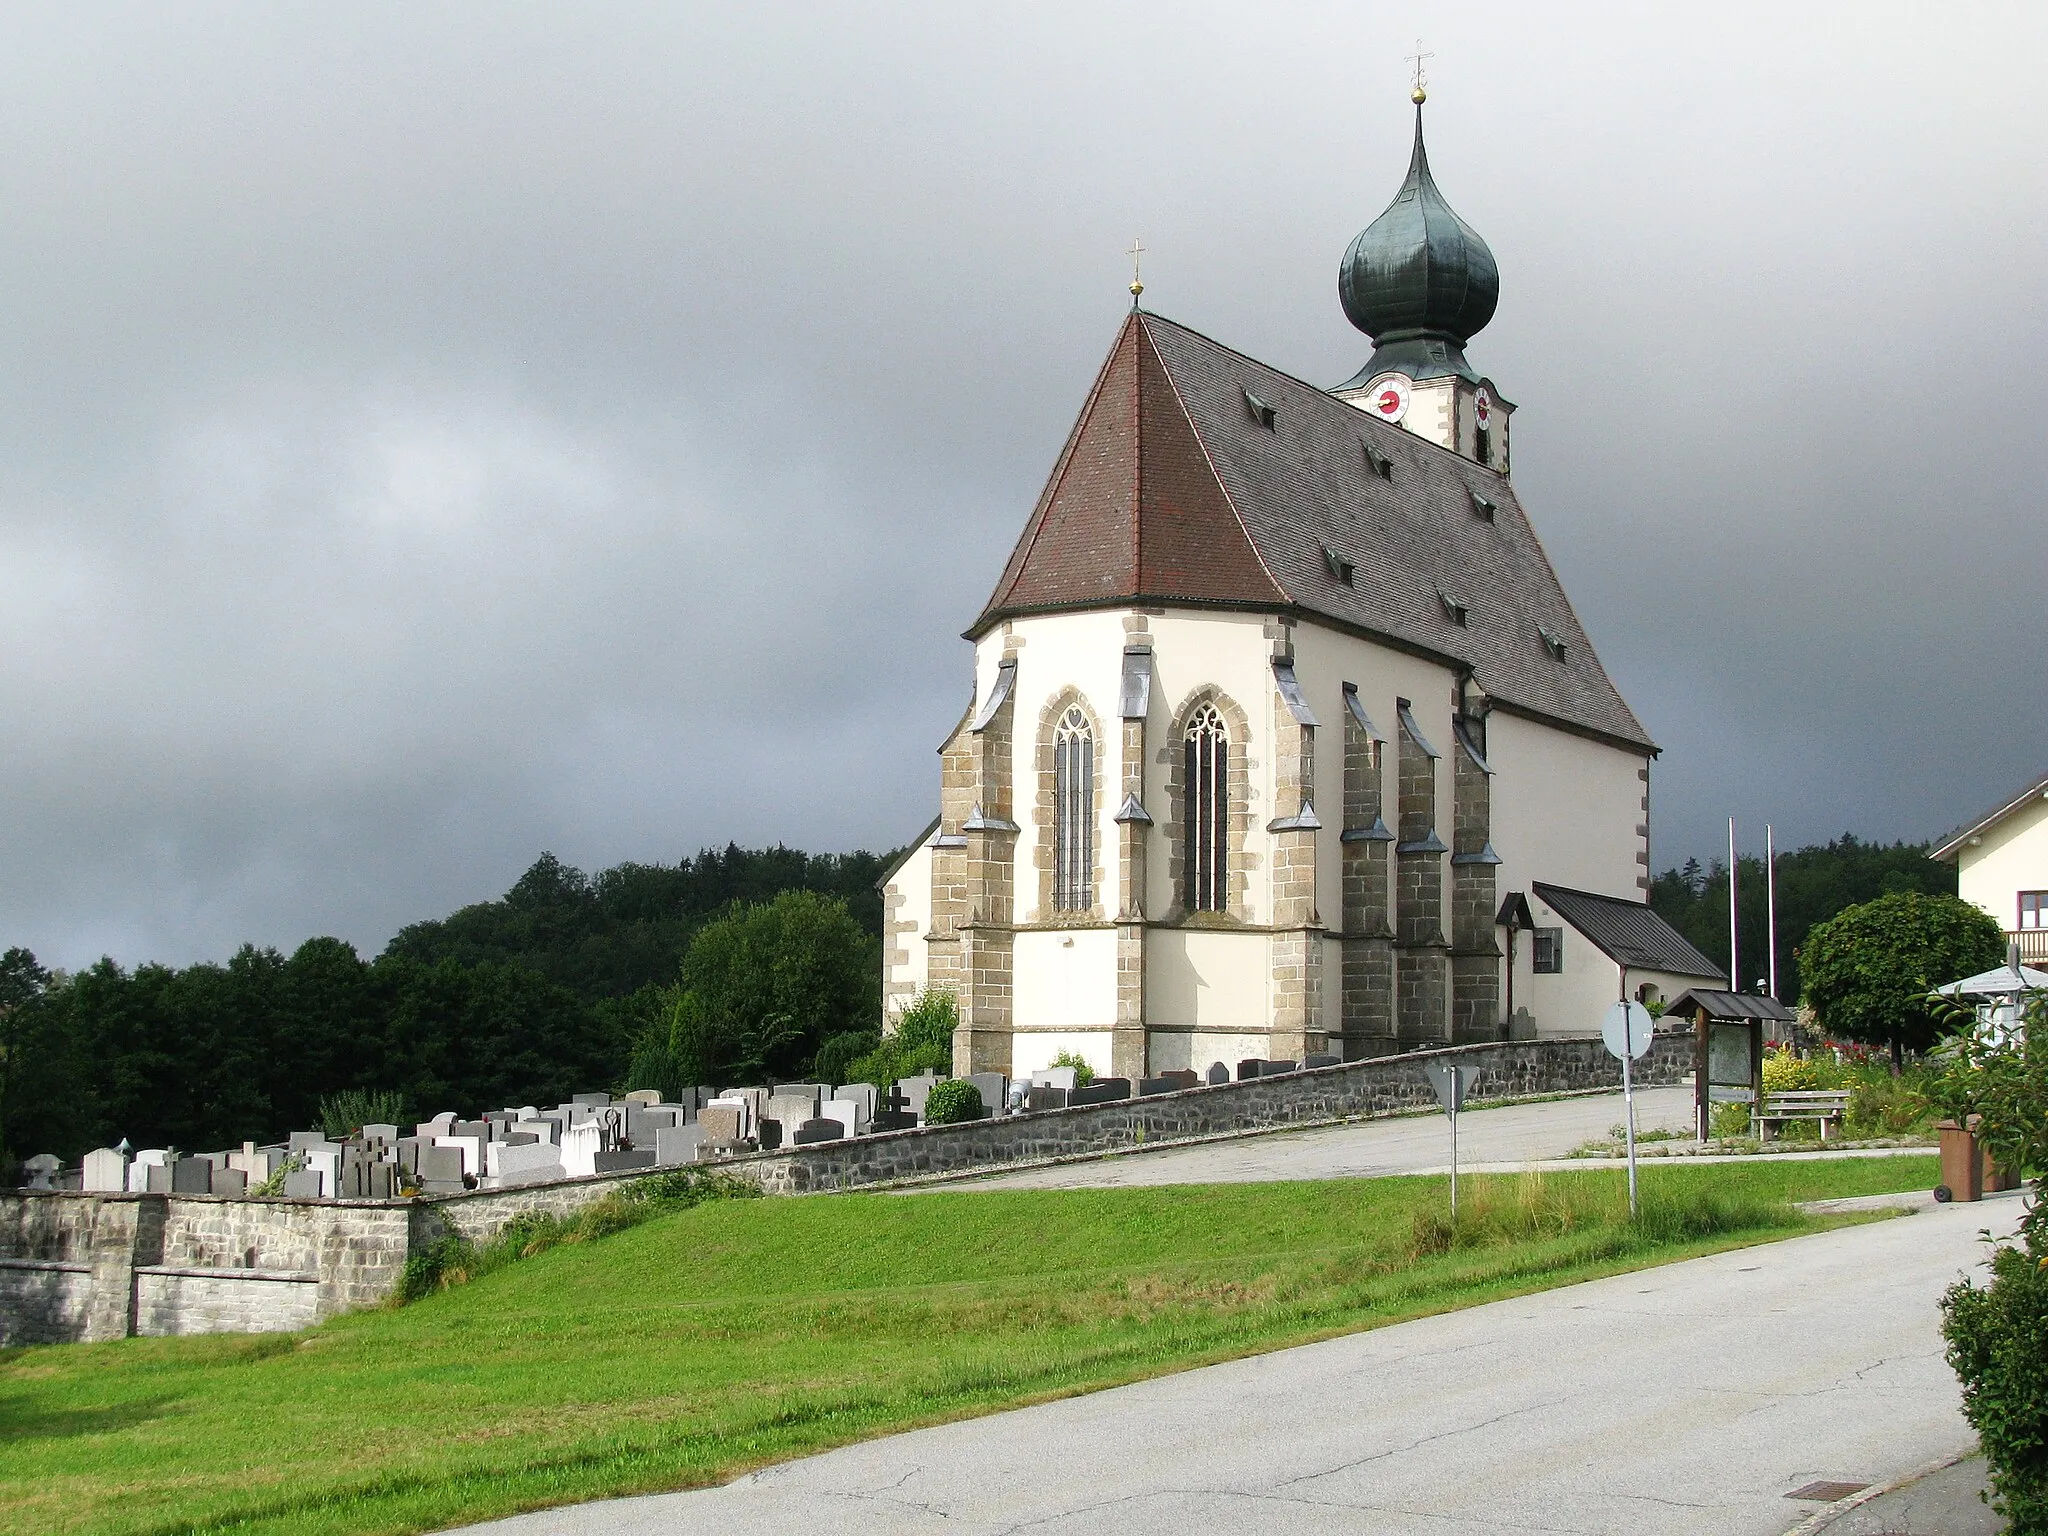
1998	1345
1083	1073
1787	1073
921	1042
953	1101
837	1057
355	1108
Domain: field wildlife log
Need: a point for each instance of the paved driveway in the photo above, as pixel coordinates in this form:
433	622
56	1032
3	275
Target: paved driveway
1688	1399
1513	1133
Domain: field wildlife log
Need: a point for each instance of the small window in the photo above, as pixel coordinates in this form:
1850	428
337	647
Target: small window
2033	909
1546	953
1340	569
1454	610
1552	644
1378	462
1263	413
1483	506
1483	449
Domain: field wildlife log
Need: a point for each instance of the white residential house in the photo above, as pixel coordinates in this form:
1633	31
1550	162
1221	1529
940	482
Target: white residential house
2001	862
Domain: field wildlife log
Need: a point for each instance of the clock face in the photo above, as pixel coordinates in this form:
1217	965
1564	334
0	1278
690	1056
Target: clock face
1482	408
1387	397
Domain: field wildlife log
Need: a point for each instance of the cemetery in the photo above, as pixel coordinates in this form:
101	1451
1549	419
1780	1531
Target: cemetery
272	1238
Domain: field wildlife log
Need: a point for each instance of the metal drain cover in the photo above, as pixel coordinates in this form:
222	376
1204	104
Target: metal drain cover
1826	1493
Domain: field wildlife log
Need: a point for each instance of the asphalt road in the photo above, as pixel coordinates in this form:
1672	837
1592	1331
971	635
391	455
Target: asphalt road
1512	1133
1686	1399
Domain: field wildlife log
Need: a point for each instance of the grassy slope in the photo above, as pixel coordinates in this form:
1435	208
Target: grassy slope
682	1351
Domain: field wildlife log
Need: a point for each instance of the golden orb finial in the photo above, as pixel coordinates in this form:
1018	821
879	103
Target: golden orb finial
1418	95
1136	251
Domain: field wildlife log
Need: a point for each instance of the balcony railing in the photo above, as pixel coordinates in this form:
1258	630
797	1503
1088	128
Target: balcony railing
2033	945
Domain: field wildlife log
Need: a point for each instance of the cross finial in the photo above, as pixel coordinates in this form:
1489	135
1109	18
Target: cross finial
1136	251
1421	92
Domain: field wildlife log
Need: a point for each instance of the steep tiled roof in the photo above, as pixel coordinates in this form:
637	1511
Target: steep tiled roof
1626	931
1198	476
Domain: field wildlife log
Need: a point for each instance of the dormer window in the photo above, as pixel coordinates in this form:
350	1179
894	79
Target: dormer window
1552	644
1454	610
1341	570
1378	462
1262	413
1482	506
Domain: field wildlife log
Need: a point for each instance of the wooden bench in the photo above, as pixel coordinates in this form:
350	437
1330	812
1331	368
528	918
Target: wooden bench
1820	1105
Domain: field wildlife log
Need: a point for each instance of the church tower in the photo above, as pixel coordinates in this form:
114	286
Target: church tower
1421	283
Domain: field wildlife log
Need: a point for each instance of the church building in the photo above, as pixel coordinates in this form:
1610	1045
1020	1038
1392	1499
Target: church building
1285	740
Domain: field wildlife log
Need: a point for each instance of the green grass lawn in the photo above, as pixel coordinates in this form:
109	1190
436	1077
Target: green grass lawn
682	1351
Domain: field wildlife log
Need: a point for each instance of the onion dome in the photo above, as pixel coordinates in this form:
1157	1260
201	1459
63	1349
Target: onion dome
1419	281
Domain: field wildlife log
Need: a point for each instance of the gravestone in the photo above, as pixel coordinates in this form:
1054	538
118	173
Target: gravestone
40	1171
769	1133
301	1184
517	1139
994	1088
384	1133
843	1111
916	1090
1218	1073
644	1096
138	1171
677	1146
580	1146
191	1176
1056	1077
818	1091
1249	1069
1147	1086
407	1151
525	1163
475	1130
623	1161
719	1124
1320	1059
440	1169
1181	1078
590	1098
230	1183
471	1149
811	1132
791	1106
1042	1096
301	1140
1277	1068
1104	1090
106	1171
863	1097
383	1181
547	1131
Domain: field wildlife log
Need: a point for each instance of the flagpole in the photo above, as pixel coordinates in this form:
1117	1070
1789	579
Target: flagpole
1734	965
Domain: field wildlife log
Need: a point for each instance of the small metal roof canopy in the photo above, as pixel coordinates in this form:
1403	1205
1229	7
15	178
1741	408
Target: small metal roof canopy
2005	982
1729	1007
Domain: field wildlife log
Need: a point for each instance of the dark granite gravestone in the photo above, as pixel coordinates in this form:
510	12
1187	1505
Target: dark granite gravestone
811	1132
302	1184
1181	1078
1320	1059
1218	1073
192	1176
1147	1086
771	1135
1277	1068
620	1162
1104	1090
230	1183
1043	1096
1249	1068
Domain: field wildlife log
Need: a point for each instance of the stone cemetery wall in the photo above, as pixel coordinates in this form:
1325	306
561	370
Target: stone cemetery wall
97	1266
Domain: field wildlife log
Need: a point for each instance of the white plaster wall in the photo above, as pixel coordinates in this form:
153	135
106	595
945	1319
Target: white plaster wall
1229	652
1083	651
1187	1051
913	882
1565	809
1031	1053
1574	1000
1064	978
1207	979
2013	857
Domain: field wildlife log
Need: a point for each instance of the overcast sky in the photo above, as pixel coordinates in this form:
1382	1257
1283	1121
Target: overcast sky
432	434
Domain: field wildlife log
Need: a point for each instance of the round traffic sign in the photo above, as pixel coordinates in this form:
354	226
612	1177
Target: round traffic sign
1627	1029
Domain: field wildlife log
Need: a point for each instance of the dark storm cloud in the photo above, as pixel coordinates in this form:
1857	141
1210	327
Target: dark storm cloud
428	435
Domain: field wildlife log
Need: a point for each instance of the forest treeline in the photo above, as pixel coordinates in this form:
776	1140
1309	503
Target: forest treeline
569	979
1814	883
524	1000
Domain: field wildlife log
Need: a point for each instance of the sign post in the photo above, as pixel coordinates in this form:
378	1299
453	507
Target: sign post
1450	1082
1626	1032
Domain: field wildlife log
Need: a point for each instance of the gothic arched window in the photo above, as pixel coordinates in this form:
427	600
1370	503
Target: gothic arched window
1207	797
1073	759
